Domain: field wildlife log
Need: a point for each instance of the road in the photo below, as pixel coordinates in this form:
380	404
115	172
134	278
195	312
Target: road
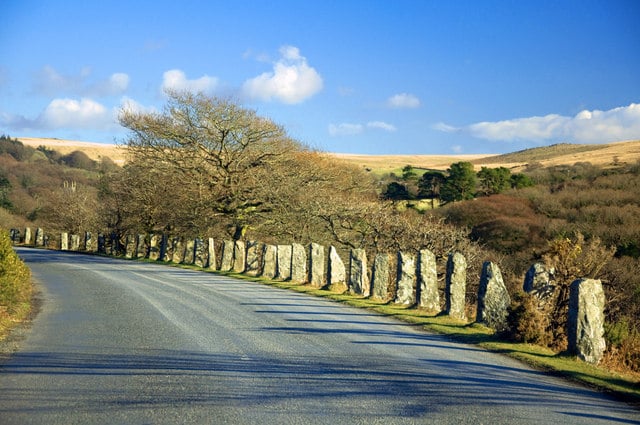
125	342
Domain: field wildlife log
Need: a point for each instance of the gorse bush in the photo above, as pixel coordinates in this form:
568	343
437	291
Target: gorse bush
15	284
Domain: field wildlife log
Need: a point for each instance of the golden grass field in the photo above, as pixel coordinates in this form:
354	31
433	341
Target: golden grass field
564	154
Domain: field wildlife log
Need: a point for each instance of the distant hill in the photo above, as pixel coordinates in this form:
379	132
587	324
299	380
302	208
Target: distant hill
95	151
603	155
559	154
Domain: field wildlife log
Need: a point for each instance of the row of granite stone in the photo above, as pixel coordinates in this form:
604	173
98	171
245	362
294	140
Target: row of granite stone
413	282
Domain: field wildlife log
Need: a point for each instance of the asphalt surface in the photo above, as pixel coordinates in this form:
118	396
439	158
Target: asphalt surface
124	342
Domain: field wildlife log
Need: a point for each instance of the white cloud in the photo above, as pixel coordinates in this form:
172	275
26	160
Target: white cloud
176	79
345	129
71	113
440	126
65	114
533	128
381	125
128	104
403	100
291	81
50	82
622	123
352	129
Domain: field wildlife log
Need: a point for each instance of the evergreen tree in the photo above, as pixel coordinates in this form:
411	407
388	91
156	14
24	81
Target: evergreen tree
460	183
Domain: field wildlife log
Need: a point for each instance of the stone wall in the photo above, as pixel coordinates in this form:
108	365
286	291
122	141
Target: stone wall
411	279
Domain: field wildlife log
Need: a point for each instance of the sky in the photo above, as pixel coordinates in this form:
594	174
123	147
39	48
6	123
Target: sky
351	76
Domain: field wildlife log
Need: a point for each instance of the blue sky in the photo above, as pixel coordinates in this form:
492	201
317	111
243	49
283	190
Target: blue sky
366	76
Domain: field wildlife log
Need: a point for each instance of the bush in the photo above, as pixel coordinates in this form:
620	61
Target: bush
528	321
15	279
623	346
78	159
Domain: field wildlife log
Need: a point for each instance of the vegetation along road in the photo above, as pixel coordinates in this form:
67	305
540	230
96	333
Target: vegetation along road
129	342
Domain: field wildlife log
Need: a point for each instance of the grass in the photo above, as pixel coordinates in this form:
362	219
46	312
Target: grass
540	154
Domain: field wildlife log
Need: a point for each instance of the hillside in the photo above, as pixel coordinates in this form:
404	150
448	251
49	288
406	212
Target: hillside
568	154
560	154
95	151
602	155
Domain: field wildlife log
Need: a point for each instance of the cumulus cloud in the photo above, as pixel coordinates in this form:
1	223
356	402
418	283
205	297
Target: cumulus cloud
50	82
291	81
65	113
131	105
381	125
622	123
403	101
352	129
176	79
345	129
71	113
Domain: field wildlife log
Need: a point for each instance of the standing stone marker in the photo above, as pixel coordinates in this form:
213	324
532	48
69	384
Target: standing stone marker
189	249
406	279
283	265
74	243
154	251
380	277
164	248
64	241
254	258
358	280
211	254
299	263
141	247
227	256
39	237
27	235
493	298
269	261
199	253
177	250
538	281
239	256
114	244
130	246
102	244
586	320
317	272
88	241
456	284
428	281
337	272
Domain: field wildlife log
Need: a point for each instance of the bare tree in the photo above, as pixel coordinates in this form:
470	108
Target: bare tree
214	149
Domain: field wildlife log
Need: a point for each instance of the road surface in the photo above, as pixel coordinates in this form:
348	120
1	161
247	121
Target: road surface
124	342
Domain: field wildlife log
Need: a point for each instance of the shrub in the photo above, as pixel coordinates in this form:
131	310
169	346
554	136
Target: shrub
528	320
623	346
15	280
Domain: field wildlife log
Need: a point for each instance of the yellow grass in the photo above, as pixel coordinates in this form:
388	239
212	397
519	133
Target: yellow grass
95	151
602	155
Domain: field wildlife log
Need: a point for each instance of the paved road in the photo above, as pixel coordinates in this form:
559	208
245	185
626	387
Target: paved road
120	342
